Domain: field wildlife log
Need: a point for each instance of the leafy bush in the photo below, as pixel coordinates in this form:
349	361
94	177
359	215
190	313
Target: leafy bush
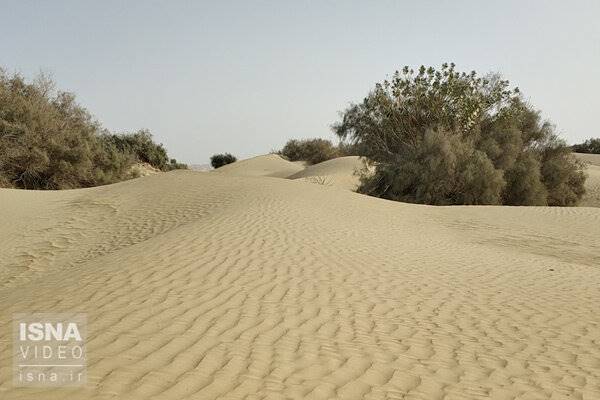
174	164
141	145
445	137
218	160
312	151
442	170
348	149
48	141
591	146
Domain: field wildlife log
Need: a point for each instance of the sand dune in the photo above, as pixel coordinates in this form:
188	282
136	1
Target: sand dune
339	172
219	286
270	165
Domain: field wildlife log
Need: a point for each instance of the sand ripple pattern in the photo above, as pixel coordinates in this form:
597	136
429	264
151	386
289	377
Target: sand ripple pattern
206	286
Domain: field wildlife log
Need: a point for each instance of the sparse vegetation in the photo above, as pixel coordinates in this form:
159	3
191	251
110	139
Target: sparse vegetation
141	145
445	137
219	160
48	141
591	146
319	180
312	151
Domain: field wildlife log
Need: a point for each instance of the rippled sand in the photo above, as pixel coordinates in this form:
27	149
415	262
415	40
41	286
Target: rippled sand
233	285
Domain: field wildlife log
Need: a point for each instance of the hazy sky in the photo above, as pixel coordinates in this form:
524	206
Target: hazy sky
246	76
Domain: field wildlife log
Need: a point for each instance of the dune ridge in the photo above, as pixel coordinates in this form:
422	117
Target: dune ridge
341	172
270	165
217	285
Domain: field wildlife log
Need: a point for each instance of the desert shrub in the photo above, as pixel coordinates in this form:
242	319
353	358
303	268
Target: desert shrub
591	146
141	145
4	182
442	170
218	160
48	141
348	149
174	164
562	174
312	151
445	137
524	182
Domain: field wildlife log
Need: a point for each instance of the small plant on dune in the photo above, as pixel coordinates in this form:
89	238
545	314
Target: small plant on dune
445	137
219	160
590	146
319	180
312	151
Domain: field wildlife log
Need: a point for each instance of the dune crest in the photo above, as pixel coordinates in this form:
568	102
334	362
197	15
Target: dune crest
209	285
271	165
340	172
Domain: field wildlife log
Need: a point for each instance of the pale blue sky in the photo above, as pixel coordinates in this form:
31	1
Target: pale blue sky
246	76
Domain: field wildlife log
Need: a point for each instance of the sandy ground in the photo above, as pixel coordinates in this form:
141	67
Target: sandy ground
270	165
233	285
341	172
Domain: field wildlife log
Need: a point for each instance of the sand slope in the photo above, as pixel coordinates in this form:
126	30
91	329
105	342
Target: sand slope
215	286
591	159
339	172
270	165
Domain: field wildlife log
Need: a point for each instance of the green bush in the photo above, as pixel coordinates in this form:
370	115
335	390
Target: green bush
442	170
174	164
591	146
348	149
445	137
312	151
218	160
141	145
48	141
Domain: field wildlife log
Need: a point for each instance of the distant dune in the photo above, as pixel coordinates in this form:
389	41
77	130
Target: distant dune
341	172
235	285
200	167
270	165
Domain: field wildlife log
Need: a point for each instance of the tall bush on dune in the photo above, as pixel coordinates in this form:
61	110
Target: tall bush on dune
143	147
446	137
48	141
